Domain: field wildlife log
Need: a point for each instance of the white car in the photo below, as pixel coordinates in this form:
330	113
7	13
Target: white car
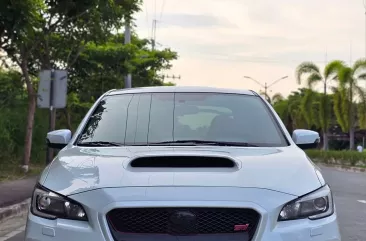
182	163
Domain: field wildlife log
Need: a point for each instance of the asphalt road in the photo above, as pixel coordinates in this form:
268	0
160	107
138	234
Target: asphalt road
349	190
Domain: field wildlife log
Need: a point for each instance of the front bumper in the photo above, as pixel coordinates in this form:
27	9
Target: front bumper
39	229
99	202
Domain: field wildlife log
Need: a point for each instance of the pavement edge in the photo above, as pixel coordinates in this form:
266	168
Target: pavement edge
343	168
14	210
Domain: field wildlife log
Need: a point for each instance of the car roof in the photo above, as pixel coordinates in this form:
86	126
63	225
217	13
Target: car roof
182	89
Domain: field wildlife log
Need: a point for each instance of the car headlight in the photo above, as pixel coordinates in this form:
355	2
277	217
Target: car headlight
316	205
47	204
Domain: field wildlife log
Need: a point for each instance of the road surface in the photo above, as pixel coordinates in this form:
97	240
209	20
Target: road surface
349	190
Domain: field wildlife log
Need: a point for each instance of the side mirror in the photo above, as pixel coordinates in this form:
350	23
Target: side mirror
58	139
306	139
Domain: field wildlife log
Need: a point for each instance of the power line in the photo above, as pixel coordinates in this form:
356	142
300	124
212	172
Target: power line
147	19
253	59
162	9
154	24
249	59
155	9
170	77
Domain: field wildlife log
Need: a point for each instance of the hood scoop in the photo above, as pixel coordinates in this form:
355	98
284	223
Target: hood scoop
182	162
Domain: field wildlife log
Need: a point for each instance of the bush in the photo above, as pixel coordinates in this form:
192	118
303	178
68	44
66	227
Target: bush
347	158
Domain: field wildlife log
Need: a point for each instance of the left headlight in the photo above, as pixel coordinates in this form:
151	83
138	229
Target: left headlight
316	205
47	204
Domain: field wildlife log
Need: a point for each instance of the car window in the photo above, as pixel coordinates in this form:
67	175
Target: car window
109	120
225	117
159	117
138	119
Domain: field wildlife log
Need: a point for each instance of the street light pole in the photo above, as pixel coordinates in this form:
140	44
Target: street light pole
128	77
364	5
266	86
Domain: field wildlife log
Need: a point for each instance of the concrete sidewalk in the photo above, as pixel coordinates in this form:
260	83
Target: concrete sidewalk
15	197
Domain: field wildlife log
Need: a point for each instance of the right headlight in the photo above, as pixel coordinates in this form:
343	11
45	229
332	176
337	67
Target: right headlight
50	205
316	205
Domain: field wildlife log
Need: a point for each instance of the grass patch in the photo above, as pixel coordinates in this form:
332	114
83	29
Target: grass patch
11	170
343	158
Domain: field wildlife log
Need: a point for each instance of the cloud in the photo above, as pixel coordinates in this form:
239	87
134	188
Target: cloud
218	39
194	21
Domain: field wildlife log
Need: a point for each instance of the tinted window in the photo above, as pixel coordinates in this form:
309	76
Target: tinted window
138	119
161	117
142	119
158	117
109	120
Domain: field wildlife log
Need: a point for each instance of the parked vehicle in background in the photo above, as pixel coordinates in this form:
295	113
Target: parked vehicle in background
182	163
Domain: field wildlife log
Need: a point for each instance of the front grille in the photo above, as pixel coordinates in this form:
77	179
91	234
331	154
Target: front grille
184	221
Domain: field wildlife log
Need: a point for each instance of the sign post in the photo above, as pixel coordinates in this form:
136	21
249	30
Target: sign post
52	95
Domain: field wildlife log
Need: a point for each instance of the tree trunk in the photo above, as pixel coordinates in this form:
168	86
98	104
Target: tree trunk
52	121
68	119
351	123
325	141
30	117
325	127
352	138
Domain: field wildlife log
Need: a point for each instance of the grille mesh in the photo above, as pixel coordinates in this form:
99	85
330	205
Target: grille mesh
165	221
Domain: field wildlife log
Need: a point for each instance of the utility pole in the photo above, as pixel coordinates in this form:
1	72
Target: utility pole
265	89
326	56
364	5
52	117
350	53
128	78
153	34
266	86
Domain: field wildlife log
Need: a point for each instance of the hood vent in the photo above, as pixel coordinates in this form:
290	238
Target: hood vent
182	162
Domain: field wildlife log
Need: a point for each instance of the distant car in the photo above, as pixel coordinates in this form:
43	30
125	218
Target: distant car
182	163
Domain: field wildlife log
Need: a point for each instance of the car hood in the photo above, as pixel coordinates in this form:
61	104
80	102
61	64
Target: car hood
80	169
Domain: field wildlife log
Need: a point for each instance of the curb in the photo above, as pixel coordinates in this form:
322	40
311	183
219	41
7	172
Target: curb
343	168
14	210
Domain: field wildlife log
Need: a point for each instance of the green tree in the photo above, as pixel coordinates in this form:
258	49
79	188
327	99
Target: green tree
311	73
101	67
350	92
18	31
35	34
275	98
290	110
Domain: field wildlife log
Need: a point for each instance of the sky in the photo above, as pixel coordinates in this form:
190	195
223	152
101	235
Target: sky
220	41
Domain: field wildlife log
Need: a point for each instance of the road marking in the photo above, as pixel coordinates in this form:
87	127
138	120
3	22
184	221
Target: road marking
362	201
12	234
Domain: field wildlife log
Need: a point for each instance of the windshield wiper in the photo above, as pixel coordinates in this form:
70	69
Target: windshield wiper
99	143
201	142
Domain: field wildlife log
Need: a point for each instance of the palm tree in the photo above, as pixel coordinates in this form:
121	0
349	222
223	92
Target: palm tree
290	112
313	76
275	98
348	92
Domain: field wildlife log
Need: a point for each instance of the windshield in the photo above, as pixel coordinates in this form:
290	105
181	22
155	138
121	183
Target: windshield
140	119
